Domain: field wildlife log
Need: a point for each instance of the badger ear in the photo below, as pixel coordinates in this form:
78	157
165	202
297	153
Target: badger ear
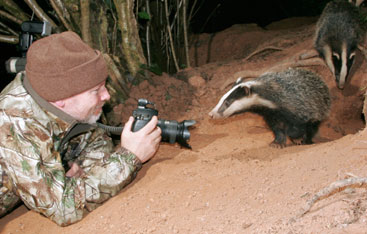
239	80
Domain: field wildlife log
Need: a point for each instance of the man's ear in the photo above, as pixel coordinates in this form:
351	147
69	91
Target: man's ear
60	103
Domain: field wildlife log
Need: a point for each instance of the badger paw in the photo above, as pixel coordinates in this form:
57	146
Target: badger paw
298	141
278	145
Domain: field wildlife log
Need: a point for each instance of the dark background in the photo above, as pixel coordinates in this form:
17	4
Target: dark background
215	15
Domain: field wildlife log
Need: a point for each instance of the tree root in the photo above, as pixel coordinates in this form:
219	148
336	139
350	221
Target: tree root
261	50
332	189
302	59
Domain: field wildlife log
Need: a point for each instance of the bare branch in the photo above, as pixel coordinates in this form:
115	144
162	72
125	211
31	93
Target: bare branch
176	15
9	39
331	189
10	17
39	12
170	36
191	11
147	35
14	9
85	21
186	41
62	13
9	30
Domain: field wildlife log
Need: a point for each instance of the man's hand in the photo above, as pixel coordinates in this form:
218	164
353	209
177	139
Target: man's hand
75	170
143	143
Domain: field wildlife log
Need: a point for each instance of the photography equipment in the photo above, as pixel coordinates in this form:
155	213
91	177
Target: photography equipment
26	38
172	131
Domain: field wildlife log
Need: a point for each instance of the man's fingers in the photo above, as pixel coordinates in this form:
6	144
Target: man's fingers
129	123
150	126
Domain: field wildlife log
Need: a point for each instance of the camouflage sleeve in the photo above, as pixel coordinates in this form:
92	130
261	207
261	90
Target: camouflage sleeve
105	173
29	158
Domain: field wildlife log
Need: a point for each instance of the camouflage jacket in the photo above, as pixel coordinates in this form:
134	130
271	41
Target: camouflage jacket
33	158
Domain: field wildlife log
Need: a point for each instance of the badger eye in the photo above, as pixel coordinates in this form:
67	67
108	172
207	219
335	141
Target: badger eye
335	55
360	3
226	103
351	56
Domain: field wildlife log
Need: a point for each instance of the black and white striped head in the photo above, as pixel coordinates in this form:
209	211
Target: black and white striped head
357	3
339	58
240	97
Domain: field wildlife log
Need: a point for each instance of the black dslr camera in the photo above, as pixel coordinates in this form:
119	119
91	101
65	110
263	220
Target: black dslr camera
26	38
172	131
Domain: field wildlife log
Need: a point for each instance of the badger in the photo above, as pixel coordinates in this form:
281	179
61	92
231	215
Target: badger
293	103
338	33
356	2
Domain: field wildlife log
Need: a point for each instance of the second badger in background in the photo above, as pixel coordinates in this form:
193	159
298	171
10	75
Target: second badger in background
338	33
293	103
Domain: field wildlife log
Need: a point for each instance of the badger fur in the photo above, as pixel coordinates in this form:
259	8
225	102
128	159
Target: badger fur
293	103
356	2
338	33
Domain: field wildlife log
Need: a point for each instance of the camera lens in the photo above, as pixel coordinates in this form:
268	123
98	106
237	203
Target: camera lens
15	64
172	131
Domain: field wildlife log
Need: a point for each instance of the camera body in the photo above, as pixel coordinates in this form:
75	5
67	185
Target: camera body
172	131
26	38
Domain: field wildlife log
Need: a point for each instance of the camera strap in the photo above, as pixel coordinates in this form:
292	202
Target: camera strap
77	129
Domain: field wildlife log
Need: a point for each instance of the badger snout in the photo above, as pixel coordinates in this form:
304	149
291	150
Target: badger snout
340	85
214	114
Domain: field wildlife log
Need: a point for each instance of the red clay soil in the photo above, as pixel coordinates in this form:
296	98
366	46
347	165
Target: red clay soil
232	181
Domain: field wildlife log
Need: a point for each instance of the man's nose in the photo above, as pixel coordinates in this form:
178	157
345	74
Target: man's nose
105	95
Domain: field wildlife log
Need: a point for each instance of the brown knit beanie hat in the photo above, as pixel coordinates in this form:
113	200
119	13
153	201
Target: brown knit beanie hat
62	65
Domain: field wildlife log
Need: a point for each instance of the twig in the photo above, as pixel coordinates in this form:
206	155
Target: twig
11	7
191	11
10	17
39	12
85	21
62	13
210	16
332	189
8	29
186	41
261	50
170	36
9	39
147	35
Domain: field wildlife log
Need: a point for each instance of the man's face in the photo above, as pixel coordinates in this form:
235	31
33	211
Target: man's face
87	106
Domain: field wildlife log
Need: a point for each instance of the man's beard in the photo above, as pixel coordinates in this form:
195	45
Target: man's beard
92	119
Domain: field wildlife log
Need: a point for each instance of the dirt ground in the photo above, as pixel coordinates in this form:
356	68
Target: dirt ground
232	181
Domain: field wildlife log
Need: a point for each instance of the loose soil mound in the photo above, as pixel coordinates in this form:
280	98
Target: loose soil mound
232	181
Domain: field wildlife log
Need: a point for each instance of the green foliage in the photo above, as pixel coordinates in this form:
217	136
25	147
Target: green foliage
153	68
183	66
143	15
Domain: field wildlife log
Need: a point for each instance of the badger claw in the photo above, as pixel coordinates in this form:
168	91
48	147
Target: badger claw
298	141
278	145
